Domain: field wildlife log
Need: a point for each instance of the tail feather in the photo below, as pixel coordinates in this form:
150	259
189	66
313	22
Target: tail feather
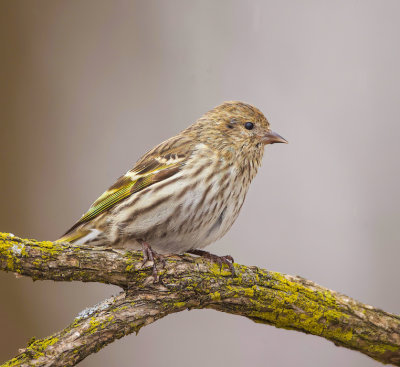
79	236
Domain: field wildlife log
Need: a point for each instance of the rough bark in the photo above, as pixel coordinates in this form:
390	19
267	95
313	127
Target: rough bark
188	283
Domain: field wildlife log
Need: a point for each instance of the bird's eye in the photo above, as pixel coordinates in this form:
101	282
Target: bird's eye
248	125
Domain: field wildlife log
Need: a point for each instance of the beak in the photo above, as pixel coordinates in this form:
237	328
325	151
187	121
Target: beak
272	137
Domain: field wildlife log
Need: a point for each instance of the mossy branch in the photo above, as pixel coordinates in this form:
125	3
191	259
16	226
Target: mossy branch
188	283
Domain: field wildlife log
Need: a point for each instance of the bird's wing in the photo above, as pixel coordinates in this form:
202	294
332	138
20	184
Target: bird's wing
159	164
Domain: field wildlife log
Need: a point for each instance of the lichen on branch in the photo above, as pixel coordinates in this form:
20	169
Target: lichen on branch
186	283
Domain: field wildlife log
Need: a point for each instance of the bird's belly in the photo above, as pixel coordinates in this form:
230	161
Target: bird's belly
196	232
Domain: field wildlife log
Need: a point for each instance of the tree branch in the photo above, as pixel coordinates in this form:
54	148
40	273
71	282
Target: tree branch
188	282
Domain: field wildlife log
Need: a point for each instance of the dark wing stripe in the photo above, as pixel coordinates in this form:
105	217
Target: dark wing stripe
149	166
122	181
107	203
132	188
157	165
96	210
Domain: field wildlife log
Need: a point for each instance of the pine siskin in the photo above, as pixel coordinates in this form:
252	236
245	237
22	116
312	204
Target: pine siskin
185	193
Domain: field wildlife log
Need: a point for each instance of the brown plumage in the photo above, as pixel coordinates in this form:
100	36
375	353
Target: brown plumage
186	192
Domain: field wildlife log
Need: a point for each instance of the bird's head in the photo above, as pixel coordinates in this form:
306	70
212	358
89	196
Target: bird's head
237	125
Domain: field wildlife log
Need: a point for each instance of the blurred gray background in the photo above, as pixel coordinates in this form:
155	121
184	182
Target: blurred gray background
87	87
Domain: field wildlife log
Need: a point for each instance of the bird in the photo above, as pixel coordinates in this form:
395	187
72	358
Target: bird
185	193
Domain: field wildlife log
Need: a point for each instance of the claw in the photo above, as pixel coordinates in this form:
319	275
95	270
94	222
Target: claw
150	255
230	258
227	259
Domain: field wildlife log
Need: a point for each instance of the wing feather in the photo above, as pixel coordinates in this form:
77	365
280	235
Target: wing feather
152	168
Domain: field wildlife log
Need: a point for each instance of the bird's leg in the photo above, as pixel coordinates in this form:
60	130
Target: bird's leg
150	255
227	259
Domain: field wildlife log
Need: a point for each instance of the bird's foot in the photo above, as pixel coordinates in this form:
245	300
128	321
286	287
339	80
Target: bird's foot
227	259
150	255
